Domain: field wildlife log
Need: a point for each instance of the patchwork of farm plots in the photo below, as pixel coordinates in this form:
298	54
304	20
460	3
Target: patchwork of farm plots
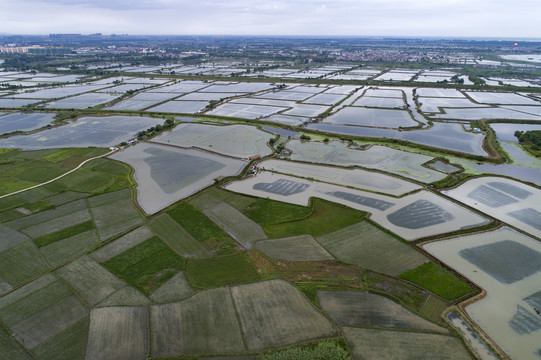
507	265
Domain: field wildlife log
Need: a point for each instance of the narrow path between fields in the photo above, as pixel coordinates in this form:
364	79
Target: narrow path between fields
59	177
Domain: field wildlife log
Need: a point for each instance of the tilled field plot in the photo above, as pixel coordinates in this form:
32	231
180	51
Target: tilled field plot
63	250
275	314
236	224
365	245
21	262
364	309
175	288
296	248
117	333
99	283
125	296
44	216
125	217
122	244
206	323
47	318
372	344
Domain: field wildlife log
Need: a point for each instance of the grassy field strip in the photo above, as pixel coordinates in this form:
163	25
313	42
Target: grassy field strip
295	248
10	349
117	333
47	323
367	246
58	224
206	323
98	285
209	198
358	308
178	239
21	263
122	244
174	289
125	217
275	314
64	250
47	215
125	296
374	344
10	238
236	224
147	265
58	177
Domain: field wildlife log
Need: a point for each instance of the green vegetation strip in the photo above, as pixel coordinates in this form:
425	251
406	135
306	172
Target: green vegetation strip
226	270
325	218
271	212
331	349
438	280
147	265
63	234
202	228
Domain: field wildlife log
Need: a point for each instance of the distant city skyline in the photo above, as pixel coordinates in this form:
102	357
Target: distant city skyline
417	18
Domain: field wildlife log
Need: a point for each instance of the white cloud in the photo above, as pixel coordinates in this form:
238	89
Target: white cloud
488	18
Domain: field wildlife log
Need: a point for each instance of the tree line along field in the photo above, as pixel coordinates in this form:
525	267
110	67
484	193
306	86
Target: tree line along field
217	274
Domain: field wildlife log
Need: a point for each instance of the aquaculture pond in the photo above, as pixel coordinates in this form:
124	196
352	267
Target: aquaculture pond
85	132
165	174
507	264
24	121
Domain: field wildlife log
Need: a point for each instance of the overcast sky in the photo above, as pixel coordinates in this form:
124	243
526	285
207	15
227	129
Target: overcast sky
460	18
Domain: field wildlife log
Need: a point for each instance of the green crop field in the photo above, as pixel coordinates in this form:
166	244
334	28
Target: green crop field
177	238
146	265
126	296
21	262
438	280
125	216
270	212
325	218
220	271
202	228
122	244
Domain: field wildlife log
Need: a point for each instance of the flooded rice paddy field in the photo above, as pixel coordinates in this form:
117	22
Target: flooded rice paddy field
24	121
412	217
508	200
325	99
245	111
379	102
433	105
83	101
241	141
449	136
358	116
85	132
397	76
435	92
486	97
383	158
166	174
357	178
485	113
507	264
506	132
443	167
187	107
